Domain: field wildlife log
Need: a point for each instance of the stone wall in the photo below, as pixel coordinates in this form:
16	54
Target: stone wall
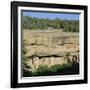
50	47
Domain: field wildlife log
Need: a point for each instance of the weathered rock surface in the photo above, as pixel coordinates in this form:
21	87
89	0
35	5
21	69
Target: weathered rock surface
50	47
47	51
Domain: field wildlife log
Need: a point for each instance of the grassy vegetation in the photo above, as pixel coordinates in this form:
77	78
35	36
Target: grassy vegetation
44	70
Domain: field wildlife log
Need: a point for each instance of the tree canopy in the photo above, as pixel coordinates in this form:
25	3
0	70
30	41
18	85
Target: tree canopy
34	23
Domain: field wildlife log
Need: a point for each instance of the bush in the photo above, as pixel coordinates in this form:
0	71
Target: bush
53	70
44	70
67	65
56	68
41	70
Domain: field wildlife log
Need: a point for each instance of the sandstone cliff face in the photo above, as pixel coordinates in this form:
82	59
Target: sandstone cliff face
50	47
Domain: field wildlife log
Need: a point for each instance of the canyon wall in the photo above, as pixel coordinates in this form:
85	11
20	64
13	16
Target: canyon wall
50	47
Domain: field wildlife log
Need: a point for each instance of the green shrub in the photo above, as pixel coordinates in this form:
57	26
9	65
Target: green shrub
44	70
67	65
41	70
56	68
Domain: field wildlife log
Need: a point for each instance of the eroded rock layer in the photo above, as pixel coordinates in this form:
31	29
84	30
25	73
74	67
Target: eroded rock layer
50	47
